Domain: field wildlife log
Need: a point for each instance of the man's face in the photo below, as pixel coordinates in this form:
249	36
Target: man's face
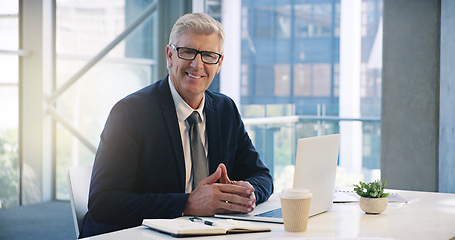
192	77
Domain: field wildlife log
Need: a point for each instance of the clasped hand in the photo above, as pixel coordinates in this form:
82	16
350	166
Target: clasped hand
210	197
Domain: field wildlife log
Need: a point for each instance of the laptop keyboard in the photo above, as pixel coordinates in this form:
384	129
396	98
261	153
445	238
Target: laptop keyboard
275	213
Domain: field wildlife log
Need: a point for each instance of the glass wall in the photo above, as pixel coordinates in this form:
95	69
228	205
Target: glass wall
84	28
290	84
9	105
289	77
290	81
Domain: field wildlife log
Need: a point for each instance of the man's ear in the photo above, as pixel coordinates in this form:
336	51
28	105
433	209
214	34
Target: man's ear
219	64
168	56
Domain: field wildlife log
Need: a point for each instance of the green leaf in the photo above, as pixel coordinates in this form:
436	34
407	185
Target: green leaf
373	189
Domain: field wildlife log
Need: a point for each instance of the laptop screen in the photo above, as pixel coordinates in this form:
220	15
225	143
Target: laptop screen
315	169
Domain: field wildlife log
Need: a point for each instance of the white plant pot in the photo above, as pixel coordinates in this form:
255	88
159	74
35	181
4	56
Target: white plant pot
373	205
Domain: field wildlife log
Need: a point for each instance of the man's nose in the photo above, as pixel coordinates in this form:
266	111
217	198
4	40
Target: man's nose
197	61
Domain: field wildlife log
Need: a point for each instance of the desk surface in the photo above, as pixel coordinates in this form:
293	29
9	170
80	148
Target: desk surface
426	216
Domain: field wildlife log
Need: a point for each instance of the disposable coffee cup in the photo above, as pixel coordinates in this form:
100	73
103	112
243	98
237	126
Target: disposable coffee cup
295	206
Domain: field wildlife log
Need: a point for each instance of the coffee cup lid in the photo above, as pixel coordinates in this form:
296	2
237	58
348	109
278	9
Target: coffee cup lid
295	193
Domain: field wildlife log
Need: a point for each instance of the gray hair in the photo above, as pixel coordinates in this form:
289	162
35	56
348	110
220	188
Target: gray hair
200	23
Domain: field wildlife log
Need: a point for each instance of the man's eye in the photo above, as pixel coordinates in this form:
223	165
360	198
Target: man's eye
210	55
187	51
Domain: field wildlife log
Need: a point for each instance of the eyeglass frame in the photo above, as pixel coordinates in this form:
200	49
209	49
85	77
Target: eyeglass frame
197	52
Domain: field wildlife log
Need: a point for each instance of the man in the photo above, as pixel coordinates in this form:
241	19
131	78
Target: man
145	167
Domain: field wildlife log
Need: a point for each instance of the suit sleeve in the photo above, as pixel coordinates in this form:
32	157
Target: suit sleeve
115	197
247	165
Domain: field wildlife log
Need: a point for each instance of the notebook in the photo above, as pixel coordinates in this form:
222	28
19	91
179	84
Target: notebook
186	226
315	169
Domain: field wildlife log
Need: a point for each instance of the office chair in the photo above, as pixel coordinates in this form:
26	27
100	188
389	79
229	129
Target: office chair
78	184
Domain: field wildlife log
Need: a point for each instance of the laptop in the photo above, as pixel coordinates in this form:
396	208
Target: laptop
315	169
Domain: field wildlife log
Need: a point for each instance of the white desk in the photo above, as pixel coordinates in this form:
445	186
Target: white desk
429	216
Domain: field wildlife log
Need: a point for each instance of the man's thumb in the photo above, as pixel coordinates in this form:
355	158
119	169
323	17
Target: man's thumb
213	178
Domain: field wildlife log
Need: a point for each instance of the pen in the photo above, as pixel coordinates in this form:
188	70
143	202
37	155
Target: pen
198	219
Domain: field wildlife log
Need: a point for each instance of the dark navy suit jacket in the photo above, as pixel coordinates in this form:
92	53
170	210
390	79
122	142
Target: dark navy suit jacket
139	168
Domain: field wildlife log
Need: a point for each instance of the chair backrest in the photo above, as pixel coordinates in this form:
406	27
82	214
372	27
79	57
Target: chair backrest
78	184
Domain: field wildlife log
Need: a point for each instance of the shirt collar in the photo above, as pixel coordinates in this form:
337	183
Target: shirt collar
182	108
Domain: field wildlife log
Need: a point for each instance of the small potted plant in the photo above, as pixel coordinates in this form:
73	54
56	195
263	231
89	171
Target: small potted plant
373	200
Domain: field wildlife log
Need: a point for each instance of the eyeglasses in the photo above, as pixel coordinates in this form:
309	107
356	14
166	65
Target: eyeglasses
190	54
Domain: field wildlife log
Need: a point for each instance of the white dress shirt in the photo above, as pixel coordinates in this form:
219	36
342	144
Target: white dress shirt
183	112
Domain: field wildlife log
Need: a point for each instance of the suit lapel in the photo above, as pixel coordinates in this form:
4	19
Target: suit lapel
171	122
213	133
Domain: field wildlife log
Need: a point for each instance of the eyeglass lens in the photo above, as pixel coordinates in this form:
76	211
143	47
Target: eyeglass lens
190	54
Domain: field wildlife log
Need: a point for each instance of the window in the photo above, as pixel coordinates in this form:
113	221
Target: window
9	104
83	29
313	19
282	84
290	76
302	80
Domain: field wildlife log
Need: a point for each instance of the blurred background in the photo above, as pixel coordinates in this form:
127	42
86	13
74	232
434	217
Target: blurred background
295	68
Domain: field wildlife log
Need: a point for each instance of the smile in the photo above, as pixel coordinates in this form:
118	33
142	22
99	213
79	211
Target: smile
193	76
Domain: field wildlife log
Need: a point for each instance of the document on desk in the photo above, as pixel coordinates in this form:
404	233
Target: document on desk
354	238
345	195
190	226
